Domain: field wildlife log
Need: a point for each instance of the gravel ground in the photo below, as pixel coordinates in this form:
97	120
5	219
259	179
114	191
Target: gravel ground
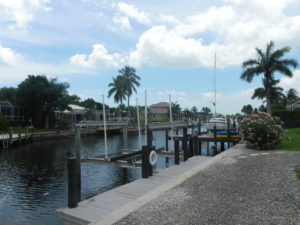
244	187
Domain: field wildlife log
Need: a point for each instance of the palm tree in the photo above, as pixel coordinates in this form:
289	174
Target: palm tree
117	89
277	94
247	109
131	81
291	95
194	110
268	63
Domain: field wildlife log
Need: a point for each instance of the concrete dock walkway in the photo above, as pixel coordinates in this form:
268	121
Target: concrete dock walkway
242	186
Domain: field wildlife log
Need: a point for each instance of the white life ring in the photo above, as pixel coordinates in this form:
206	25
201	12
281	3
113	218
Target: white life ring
152	158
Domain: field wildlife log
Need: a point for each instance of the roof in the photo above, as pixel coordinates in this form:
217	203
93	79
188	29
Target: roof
6	104
160	105
76	107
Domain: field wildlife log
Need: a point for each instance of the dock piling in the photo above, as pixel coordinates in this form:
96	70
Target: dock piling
176	147
167	140
145	161
195	144
73	178
185	144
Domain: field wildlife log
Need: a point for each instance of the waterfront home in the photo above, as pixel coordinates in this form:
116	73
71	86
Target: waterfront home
294	106
74	114
11	111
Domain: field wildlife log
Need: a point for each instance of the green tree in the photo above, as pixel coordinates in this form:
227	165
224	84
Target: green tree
73	99
40	97
277	94
194	111
8	94
131	81
268	63
291	95
247	109
262	108
206	112
117	89
176	109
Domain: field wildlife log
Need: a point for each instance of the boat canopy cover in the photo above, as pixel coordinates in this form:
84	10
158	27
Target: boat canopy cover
225	133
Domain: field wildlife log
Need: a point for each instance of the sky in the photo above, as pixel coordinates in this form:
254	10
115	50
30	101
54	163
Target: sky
170	43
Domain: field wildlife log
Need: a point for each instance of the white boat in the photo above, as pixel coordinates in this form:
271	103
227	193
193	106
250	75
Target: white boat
218	122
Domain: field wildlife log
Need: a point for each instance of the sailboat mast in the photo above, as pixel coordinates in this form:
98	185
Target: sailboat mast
215	84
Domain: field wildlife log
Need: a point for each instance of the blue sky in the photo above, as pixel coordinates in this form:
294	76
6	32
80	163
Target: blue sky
170	43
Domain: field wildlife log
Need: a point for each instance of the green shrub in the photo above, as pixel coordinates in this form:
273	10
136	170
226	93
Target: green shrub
18	123
3	123
261	131
62	124
286	115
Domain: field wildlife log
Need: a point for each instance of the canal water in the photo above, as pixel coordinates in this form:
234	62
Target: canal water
33	177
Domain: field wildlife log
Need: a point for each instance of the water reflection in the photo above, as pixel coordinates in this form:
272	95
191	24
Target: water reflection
33	178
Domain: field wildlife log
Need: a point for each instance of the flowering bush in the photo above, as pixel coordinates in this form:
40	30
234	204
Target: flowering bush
262	131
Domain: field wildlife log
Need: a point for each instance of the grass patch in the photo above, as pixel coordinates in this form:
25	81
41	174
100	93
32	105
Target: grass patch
16	130
291	140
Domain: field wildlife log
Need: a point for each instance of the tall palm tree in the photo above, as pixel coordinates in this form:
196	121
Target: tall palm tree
277	94
131	81
117	89
268	63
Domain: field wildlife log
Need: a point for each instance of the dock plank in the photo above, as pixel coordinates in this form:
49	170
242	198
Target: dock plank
98	207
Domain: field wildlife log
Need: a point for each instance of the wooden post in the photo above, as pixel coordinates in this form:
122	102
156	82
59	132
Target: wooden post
222	146
19	135
145	161
149	137
78	156
191	146
184	144
73	191
228	132
26	135
196	147
10	135
207	149
125	136
228	137
199	127
176	147
215	136
200	147
167	140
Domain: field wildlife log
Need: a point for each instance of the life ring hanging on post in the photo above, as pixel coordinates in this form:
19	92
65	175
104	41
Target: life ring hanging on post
152	158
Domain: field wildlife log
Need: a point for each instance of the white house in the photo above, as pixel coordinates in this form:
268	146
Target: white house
294	106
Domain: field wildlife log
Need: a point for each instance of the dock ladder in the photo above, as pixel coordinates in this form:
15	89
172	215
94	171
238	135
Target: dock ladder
5	144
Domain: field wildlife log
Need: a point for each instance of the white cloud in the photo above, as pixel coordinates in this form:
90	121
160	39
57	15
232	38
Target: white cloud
233	32
98	57
123	21
126	11
16	67
8	57
21	12
132	12
293	82
161	47
173	93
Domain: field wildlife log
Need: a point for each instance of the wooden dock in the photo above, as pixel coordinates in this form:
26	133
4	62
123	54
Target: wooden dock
100	207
